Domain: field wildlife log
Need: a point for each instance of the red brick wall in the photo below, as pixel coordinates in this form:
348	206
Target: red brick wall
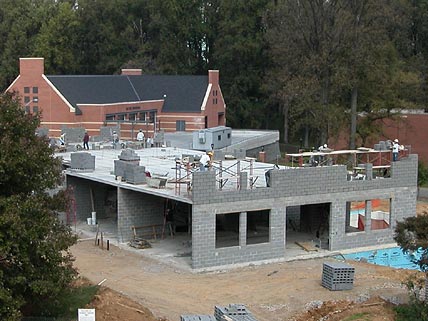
410	129
215	107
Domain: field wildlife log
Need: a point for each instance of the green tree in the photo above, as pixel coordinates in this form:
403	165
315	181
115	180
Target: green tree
58	41
19	24
305	38
35	264
412	236
239	51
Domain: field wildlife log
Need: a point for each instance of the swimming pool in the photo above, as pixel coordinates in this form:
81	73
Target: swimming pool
393	257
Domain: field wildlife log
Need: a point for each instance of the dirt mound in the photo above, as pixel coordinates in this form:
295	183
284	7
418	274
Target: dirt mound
374	309
113	306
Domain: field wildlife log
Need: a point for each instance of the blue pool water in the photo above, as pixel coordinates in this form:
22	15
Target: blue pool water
393	257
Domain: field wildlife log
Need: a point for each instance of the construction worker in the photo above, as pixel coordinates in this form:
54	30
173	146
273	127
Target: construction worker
205	161
395	150
86	141
140	137
62	139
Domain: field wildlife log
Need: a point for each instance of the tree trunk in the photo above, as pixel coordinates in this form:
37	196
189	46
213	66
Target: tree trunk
306	141
285	110
352	137
325	101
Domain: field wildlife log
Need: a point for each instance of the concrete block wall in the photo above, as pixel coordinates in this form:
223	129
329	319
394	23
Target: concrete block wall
296	187
82	194
293	214
137	209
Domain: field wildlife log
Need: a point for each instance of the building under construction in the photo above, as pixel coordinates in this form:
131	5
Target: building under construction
242	210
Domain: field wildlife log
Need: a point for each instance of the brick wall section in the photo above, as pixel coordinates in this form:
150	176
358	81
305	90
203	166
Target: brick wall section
137	209
295	187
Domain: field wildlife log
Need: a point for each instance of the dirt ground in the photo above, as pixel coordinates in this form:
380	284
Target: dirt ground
140	288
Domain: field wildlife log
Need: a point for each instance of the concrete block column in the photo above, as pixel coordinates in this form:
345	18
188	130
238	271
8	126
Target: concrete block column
368	220
243	180
242	228
337	224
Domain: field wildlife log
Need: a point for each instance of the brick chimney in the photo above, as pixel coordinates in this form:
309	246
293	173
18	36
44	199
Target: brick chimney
34	66
132	72
213	76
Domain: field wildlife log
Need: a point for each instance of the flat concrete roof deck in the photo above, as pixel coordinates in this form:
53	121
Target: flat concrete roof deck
162	161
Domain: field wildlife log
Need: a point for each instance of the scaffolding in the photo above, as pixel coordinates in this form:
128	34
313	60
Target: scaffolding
227	175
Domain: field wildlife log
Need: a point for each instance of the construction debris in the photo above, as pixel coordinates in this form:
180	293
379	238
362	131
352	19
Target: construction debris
140	244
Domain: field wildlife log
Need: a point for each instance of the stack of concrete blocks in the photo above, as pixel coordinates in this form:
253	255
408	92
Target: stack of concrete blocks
135	174
240	153
42	132
82	162
383	145
74	135
129	155
128	167
218	155
106	132
159	138
234	312
197	318
337	276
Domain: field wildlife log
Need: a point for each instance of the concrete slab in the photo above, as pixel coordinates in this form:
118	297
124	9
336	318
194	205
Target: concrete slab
162	162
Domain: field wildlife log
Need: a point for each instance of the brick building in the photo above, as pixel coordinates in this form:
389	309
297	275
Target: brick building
132	100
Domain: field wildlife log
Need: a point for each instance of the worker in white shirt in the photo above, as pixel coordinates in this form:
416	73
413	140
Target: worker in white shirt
140	137
395	150
205	161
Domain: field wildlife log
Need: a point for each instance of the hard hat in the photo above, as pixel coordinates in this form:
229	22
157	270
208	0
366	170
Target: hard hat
396	140
210	153
325	145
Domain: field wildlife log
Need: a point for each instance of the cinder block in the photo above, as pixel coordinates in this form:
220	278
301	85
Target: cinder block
337	276
195	317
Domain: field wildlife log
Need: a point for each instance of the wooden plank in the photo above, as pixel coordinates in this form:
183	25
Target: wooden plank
307	246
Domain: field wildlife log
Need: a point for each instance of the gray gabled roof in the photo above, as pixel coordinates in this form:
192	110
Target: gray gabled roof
181	93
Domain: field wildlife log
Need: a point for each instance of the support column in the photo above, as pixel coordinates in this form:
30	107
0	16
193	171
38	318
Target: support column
368	214
243	229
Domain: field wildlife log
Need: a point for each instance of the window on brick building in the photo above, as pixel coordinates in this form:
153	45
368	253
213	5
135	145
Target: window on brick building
121	117
35	90
35	109
27	109
142	116
26	90
152	116
132	117
109	117
26	99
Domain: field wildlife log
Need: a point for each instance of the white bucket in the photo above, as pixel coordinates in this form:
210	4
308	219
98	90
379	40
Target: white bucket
89	219
94	218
